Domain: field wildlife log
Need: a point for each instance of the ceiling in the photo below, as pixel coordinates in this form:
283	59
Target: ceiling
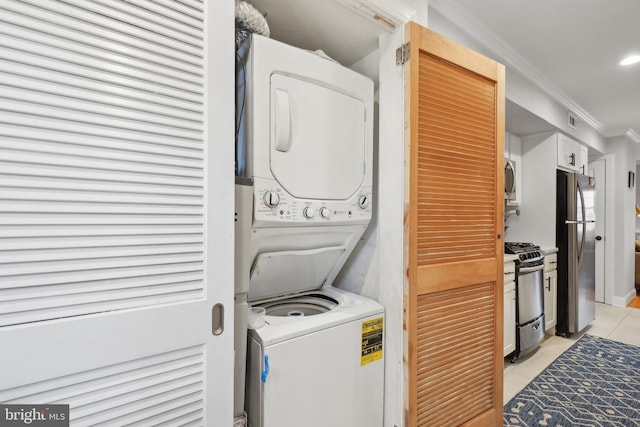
575	45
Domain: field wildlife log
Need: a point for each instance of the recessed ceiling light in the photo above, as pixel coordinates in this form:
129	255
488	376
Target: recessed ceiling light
631	59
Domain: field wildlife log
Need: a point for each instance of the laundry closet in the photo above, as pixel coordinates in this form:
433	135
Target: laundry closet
431	255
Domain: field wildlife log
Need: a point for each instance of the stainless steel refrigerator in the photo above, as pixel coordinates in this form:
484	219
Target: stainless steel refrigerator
575	238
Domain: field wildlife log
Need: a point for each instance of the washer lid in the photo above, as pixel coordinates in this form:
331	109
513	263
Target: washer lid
317	148
290	272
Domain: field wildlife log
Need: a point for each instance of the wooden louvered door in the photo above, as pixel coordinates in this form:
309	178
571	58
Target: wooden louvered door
453	233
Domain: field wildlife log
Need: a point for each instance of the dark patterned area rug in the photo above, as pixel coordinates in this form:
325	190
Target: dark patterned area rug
596	382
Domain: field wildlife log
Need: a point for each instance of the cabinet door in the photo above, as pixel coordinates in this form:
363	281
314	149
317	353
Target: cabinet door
550	285
509	318
584	160
453	233
568	153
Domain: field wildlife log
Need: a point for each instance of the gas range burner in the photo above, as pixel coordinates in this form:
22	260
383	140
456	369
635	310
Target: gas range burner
518	247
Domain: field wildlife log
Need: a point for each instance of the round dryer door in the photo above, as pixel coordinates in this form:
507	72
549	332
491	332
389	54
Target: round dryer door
317	148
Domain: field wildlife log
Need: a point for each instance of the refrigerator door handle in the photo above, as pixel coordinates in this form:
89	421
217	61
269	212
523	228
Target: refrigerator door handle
583	222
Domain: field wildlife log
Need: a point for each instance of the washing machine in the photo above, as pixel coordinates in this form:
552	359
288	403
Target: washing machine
318	359
317	362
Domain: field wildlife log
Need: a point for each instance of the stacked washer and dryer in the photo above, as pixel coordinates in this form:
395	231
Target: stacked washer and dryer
318	359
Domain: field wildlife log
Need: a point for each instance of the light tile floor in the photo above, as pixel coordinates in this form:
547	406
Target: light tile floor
615	323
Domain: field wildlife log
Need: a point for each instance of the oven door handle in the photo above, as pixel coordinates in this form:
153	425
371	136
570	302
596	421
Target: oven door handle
531	269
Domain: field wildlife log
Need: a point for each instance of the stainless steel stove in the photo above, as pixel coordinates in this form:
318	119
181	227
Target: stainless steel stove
529	296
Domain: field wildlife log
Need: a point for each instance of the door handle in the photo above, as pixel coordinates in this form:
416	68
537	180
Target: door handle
531	269
598	238
283	121
549	284
217	319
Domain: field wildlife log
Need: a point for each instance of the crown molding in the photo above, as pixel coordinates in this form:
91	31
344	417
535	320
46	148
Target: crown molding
628	132
633	135
490	40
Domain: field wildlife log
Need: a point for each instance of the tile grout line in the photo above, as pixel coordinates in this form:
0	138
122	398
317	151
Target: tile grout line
617	324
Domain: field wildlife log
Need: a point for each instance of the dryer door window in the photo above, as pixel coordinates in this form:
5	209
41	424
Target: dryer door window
317	144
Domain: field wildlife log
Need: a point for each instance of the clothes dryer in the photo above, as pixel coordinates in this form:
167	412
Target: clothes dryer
309	137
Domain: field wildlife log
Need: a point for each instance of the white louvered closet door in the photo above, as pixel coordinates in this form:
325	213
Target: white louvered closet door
116	128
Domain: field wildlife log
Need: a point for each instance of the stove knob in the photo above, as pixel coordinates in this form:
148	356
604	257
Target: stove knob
309	212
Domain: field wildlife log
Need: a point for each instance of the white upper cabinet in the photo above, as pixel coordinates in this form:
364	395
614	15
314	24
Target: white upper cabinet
583	160
568	153
572	156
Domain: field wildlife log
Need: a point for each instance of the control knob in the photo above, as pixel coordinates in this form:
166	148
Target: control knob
309	212
271	199
325	213
363	201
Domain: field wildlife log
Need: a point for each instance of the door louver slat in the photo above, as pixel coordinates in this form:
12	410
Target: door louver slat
455	368
445	155
101	156
128	392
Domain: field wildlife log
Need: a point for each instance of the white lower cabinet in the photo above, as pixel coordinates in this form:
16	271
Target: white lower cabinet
550	291
550	302
509	337
509	318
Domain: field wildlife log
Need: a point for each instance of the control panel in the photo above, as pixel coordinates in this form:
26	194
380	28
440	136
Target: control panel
273	205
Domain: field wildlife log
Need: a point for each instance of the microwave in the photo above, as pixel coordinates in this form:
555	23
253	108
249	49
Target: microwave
509	180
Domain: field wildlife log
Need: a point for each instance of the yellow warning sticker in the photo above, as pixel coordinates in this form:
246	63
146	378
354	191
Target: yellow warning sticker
372	334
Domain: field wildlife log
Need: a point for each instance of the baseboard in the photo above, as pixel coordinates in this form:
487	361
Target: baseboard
623	301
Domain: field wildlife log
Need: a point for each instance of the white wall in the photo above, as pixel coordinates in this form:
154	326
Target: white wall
537	220
623	199
637	191
376	267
